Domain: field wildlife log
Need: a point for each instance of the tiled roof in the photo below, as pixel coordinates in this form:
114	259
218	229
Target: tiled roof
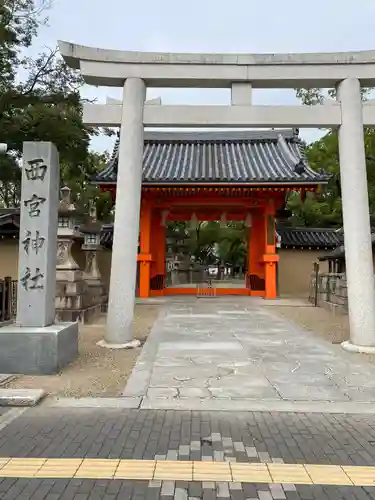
290	237
339	252
242	157
308	237
9	222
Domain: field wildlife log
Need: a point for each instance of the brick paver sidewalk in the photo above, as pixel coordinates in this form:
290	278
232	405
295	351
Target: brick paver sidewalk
205	455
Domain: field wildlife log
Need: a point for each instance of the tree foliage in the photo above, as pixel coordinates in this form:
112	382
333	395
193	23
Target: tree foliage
40	101
211	243
323	209
312	96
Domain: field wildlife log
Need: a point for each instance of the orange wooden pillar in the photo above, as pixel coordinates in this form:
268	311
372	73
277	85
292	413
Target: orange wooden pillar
270	258
255	253
158	243
256	243
144	257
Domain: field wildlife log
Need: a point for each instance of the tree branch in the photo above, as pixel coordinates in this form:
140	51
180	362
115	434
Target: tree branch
42	71
44	5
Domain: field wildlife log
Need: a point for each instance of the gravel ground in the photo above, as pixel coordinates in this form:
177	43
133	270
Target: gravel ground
333	328
97	372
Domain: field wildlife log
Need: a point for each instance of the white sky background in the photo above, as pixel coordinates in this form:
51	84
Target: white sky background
252	26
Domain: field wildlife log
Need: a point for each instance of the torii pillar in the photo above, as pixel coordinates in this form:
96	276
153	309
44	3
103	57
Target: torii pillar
357	230
126	224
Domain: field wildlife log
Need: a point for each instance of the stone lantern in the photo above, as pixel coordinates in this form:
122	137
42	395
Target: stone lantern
67	232
71	289
91	246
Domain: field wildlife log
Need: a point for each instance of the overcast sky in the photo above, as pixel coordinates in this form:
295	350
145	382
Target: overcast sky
253	26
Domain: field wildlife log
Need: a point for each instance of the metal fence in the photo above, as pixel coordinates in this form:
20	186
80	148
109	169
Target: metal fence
206	289
8	299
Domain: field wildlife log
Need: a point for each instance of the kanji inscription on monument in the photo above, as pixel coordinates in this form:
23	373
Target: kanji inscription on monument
33	243
36	169
38	235
33	205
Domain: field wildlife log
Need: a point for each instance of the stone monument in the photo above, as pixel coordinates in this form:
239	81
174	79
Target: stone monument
35	344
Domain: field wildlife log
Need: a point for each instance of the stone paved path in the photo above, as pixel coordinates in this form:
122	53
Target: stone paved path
238	438
229	353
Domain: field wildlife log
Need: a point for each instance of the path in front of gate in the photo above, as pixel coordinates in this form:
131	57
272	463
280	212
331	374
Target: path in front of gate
232	353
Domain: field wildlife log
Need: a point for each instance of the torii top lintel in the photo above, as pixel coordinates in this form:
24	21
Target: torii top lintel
111	67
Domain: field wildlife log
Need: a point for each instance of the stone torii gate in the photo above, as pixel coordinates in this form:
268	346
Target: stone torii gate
134	71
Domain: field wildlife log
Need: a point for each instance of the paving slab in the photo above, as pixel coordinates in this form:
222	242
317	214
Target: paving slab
124	402
211	353
21	397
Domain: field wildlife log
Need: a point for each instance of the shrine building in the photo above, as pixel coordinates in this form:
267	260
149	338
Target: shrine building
216	176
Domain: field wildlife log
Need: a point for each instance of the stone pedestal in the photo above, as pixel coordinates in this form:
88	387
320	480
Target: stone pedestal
72	298
92	277
34	345
38	351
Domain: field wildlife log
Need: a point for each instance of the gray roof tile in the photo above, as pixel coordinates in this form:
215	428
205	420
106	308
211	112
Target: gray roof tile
339	252
303	237
243	157
297	237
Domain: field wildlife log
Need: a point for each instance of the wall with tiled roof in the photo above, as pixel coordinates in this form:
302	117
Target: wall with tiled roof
302	237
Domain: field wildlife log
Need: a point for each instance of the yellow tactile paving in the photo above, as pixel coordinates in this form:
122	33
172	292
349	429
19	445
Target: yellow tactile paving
250	473
212	471
289	474
328	474
360	476
177	470
97	468
3	461
159	470
59	468
137	463
135	469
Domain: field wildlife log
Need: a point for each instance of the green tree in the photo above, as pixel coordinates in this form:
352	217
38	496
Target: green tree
212	244
202	240
324	208
232	246
313	96
84	191
45	105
